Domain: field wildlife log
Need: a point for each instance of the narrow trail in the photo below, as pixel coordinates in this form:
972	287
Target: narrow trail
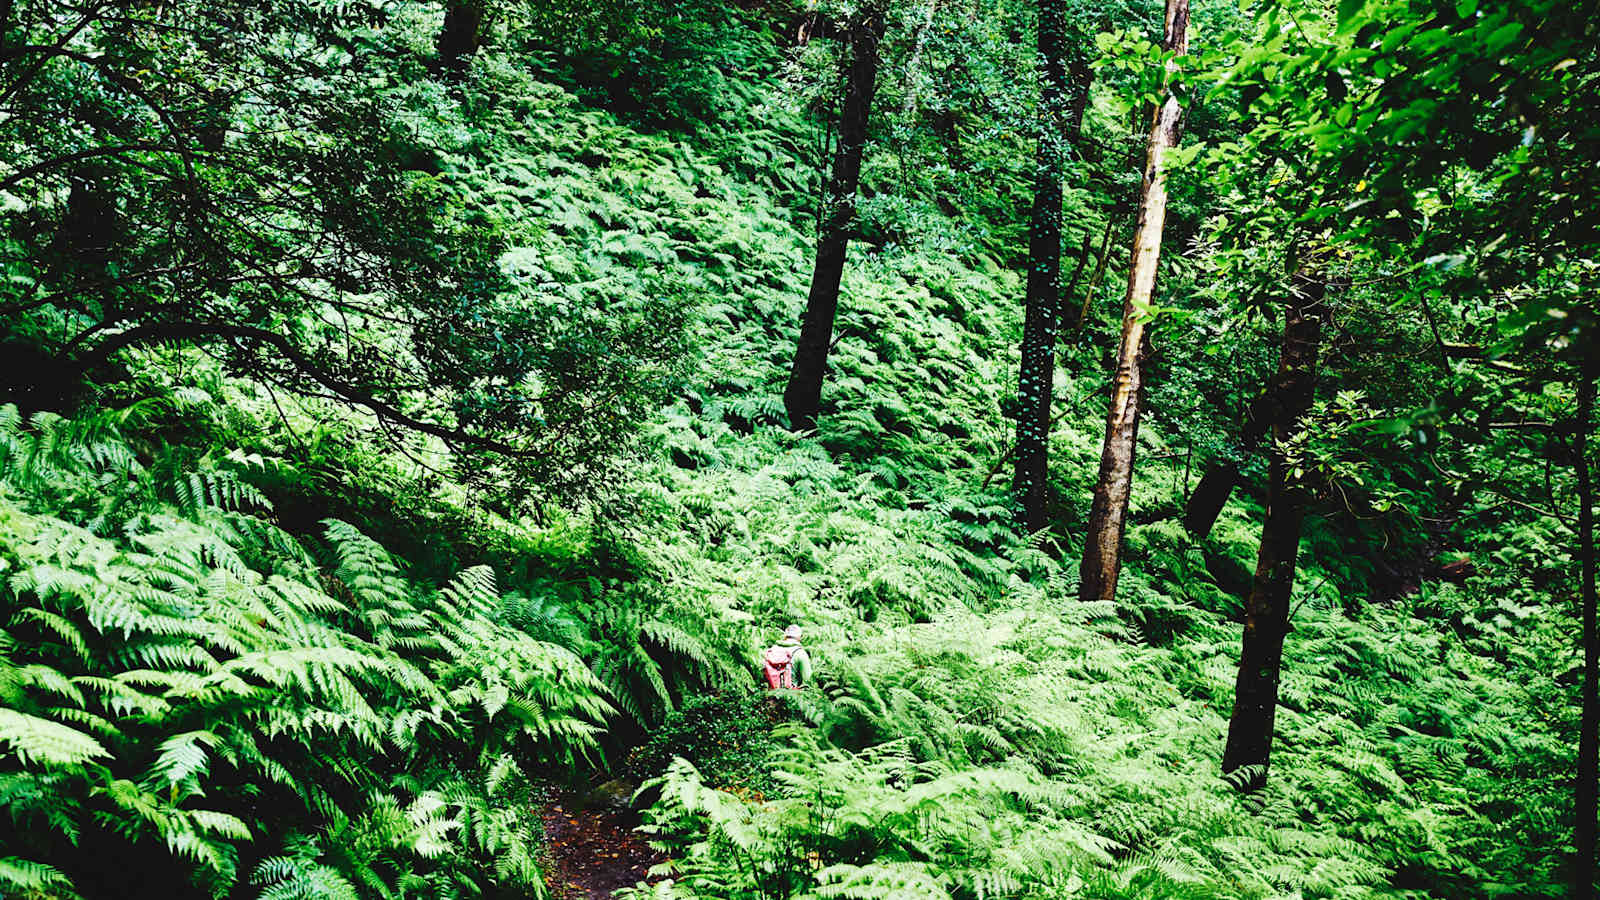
592	851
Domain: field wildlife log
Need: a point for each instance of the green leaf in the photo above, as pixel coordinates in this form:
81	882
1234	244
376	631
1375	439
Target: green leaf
40	740
1502	37
1348	11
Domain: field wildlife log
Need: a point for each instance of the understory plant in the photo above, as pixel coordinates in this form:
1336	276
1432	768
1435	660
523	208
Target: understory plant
195	701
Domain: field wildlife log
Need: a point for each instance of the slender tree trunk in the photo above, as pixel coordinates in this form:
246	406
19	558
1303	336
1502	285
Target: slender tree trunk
460	37
1222	476
1588	780
1210	496
908	104
803	396
1085	253
1102	545
1099	273
1255	702
1035	381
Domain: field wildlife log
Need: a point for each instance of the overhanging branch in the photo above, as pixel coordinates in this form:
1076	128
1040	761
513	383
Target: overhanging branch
350	393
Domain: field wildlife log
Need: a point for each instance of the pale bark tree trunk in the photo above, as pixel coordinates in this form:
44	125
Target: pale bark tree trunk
1102	545
1588	781
1255	702
803	396
1059	120
908	104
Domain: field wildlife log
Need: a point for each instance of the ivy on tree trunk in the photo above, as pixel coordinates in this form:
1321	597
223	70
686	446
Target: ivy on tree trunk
1588	781
1059	120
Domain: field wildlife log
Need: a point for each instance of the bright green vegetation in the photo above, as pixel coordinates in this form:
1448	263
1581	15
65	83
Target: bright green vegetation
510	501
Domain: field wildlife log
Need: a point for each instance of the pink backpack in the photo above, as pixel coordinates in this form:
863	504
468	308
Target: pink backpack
775	665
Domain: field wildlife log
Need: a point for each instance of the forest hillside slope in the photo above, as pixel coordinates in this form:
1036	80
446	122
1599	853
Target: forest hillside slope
456	465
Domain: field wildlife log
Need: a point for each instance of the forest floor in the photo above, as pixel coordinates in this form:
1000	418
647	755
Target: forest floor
592	852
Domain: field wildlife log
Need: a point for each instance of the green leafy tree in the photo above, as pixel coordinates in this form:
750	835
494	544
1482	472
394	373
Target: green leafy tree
1477	182
224	176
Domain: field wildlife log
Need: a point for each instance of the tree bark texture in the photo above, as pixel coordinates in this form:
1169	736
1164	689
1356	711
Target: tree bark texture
1222	476
461	36
1210	496
803	396
1059	119
1102	544
1266	622
1587	785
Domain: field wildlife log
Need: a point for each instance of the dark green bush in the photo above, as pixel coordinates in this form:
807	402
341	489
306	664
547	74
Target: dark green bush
726	735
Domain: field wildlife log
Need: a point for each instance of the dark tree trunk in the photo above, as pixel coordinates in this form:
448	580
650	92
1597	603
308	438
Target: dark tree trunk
1102	544
1210	496
1266	621
1085	253
803	396
1059	119
1222	476
1080	76
945	124
1588	781
460	37
88	230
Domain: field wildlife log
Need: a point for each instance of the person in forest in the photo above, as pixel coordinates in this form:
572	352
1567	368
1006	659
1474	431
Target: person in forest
786	664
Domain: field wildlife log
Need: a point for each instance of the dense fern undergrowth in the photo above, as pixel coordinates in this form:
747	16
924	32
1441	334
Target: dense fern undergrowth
249	650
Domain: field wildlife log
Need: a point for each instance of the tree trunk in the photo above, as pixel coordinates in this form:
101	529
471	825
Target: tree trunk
88	230
1255	702
1102	545
1588	780
1222	476
1085	253
908	104
460	37
803	396
1099	273
1056	126
1209	497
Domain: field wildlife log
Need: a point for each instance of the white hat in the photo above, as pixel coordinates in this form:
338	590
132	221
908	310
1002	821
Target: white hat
793	631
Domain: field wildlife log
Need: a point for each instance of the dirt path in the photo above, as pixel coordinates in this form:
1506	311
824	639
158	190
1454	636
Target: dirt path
592	852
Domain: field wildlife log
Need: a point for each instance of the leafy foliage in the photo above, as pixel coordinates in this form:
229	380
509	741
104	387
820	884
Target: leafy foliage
263	202
180	674
258	640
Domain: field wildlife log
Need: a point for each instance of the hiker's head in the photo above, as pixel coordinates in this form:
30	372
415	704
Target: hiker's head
792	632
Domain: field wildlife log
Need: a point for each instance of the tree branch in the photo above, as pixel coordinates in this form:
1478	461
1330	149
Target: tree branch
48	53
22	175
350	393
